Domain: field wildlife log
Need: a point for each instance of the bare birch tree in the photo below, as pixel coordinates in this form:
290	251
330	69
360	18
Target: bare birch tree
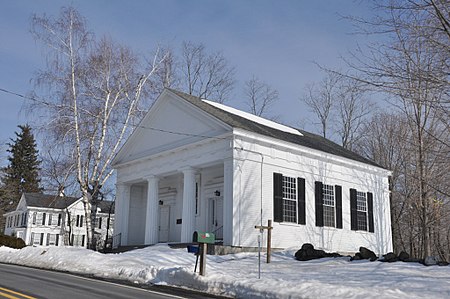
96	90
260	96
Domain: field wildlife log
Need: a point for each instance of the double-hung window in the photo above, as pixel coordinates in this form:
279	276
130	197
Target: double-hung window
289	199
361	210
328	199
328	206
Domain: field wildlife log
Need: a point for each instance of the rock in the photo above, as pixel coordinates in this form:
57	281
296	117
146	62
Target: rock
367	254
307	252
403	256
307	246
413	260
430	261
356	257
442	263
390	257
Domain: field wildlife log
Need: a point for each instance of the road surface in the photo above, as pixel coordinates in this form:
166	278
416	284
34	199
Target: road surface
18	282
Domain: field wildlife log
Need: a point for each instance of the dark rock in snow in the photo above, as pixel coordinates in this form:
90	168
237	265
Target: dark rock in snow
307	252
356	257
403	256
389	257
443	263
367	253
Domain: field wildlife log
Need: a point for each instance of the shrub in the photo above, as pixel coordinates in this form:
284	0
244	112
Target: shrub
12	242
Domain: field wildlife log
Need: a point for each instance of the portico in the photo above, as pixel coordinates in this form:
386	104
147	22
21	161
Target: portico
169	207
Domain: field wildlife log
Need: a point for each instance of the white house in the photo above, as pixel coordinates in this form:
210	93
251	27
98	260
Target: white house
193	164
52	220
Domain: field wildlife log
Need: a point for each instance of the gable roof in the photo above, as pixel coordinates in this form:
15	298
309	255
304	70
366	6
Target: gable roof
105	206
49	201
306	139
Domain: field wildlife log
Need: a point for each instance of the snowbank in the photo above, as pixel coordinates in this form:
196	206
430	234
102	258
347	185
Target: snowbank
236	275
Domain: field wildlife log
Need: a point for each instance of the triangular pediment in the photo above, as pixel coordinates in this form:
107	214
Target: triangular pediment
172	122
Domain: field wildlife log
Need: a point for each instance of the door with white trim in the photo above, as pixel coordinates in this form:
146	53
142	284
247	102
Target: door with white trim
216	216
164	223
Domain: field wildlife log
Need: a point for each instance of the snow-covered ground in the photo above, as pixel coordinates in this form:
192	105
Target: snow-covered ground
236	275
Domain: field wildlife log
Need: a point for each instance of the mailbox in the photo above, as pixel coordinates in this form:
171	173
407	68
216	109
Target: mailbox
204	237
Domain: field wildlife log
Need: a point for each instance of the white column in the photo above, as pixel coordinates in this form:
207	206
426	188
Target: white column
152	212
122	212
188	214
228	202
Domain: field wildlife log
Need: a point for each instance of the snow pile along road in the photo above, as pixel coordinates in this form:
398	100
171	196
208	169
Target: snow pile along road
236	275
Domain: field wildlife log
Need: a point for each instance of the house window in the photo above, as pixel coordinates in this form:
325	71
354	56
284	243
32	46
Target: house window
34	218
361	211
35	238
328	206
289	199
52	240
43	218
81	221
50	216
361	208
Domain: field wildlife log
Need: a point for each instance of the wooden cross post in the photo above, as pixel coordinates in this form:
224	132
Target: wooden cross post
269	237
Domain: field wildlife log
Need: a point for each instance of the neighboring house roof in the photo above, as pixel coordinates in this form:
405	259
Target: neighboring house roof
308	139
106	206
49	201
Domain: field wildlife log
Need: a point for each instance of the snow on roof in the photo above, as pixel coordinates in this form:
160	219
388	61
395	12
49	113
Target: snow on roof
255	118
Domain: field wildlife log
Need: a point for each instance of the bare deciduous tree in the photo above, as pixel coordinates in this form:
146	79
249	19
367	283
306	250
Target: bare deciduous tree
259	96
352	108
320	98
205	75
408	69
96	90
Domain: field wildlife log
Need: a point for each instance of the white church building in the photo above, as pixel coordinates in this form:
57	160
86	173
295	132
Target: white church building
196	165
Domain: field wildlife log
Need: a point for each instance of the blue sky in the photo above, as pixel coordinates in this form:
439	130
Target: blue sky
278	41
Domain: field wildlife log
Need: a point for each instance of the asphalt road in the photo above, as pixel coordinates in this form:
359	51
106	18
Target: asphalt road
18	282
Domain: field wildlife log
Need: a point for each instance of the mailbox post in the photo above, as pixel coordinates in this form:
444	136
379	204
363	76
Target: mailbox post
203	238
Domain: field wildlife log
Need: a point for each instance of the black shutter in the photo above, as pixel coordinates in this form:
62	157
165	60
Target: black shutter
370	211
338	192
301	201
353	210
277	197
319	203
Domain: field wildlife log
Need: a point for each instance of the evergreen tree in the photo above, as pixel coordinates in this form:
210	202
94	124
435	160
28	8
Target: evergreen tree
22	173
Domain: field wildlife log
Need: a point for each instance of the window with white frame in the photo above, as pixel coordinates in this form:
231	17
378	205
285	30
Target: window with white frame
289	199
52	239
78	240
361	208
35	238
328	206
34	217
50	218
